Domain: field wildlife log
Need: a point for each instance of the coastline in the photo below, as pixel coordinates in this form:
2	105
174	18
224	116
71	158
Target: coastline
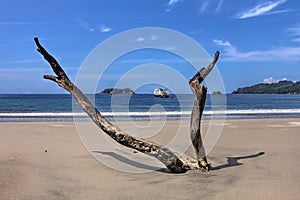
46	160
147	115
35	107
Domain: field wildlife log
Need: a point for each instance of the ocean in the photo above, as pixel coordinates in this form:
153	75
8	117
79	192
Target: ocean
61	107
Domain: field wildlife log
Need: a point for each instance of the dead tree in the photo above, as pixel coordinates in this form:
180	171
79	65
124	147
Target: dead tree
173	161
195	127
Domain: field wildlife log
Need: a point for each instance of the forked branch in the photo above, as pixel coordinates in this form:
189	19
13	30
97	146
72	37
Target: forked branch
174	162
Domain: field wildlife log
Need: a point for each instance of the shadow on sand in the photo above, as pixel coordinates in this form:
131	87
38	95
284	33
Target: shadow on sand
132	162
233	161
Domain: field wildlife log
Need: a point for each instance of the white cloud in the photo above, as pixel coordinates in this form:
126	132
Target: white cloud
86	26
294	32
171	4
104	29
83	24
280	54
271	80
231	53
222	43
296	39
261	9
277	12
219	6
203	7
140	39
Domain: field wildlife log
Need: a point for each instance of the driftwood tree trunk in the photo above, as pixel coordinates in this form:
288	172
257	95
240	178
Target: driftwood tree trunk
174	162
195	128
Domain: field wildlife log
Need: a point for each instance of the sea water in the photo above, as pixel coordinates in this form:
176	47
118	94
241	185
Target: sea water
62	107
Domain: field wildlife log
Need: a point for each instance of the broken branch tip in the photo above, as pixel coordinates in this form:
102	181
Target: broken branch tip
216	56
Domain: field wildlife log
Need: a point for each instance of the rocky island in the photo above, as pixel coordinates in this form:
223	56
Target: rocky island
216	93
117	91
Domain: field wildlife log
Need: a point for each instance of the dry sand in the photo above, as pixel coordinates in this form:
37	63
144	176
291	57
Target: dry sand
46	160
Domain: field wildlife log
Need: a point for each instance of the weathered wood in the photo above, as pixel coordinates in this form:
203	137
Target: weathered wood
195	127
174	162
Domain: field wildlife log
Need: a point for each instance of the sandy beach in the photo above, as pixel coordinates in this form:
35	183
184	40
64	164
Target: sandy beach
253	159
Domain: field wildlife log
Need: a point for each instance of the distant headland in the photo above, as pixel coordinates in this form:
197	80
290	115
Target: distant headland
282	87
117	91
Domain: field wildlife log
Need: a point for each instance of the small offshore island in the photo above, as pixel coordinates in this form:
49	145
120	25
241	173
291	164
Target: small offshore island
282	87
117	91
216	93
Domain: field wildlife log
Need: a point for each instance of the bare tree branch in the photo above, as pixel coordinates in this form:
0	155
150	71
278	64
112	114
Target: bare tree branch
203	72
174	162
52	78
195	127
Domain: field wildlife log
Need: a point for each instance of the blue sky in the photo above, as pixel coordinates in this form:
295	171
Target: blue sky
259	40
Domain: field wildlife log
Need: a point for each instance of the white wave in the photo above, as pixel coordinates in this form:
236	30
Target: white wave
260	111
47	114
149	114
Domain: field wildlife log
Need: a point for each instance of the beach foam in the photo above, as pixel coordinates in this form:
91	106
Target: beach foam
170	115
